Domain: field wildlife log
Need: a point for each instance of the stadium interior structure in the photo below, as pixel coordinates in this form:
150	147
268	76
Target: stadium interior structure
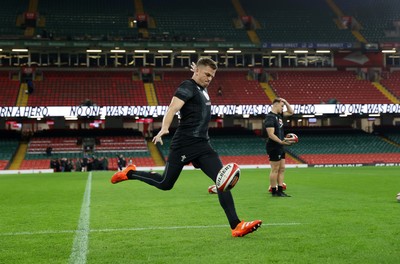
93	79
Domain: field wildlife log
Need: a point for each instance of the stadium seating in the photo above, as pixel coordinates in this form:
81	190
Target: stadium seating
71	88
108	144
235	87
392	83
76	19
234	145
3	164
38	145
118	143
295	21
315	87
359	158
344	145
390	133
7	150
9	142
179	21
138	161
165	88
374	16
8	14
35	164
9	89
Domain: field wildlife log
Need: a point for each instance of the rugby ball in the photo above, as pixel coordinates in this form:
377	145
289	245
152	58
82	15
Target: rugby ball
212	189
398	197
283	187
292	138
227	177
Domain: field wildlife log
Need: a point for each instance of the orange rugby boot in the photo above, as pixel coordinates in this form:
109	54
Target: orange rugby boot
122	175
244	228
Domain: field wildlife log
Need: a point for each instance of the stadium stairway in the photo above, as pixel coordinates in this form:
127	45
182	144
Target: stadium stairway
390	141
339	13
150	94
155	154
19	156
139	6
386	93
291	156
268	91
252	34
33	7
335	8
357	34
22	99
139	9
238	7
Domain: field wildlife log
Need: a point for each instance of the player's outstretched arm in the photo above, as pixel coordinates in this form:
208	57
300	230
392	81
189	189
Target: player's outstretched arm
174	107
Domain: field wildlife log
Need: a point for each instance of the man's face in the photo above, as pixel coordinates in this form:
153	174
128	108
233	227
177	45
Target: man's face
204	75
279	107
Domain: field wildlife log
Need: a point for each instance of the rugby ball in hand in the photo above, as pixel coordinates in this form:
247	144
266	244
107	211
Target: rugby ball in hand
292	138
227	177
212	189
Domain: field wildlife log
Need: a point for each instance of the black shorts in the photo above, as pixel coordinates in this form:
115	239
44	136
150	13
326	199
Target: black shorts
276	154
185	155
200	154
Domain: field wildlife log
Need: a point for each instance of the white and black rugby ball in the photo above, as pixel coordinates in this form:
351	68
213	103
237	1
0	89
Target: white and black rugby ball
227	177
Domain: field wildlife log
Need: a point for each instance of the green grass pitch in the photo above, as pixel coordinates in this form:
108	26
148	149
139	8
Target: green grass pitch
335	215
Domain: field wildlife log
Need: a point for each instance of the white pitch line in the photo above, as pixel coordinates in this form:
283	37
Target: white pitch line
178	227
135	229
81	240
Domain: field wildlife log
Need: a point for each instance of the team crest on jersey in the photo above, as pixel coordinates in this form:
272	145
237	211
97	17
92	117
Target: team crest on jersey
280	122
206	95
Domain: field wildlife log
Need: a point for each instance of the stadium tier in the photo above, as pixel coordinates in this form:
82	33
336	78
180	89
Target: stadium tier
290	21
117	88
90	144
316	146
